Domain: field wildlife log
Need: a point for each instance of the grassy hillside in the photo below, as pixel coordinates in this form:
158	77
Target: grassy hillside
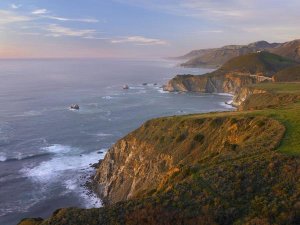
218	56
291	74
226	168
254	63
286	109
289	50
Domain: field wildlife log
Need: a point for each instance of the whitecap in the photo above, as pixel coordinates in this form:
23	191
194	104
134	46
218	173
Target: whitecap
20	156
107	97
57	166
30	113
3	157
225	94
71	184
227	105
162	91
90	199
137	88
103	135
57	148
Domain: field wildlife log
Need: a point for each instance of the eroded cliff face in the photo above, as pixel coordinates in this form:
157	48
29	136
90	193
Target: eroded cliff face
211	83
130	167
243	93
145	159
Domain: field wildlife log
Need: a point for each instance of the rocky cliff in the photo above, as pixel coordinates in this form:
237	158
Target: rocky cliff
244	93
210	83
145	159
232	76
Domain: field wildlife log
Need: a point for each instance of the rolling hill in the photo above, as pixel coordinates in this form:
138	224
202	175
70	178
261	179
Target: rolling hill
215	57
291	74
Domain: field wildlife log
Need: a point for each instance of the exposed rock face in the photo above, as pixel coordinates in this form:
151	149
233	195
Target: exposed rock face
233	75
74	106
243	94
145	159
228	83
123	173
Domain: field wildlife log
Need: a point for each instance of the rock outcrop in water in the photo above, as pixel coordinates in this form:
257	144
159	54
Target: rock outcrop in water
75	107
211	83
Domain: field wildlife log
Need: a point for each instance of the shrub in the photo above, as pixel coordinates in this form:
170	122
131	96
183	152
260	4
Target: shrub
199	137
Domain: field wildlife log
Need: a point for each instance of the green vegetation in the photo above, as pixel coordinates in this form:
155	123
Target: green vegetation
262	62
291	74
286	110
288	88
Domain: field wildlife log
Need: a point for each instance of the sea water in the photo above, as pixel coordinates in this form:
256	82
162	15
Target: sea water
46	149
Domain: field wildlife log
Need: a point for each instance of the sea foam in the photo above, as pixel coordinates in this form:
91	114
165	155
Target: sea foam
65	160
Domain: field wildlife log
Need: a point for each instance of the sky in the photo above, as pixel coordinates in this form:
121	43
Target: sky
139	28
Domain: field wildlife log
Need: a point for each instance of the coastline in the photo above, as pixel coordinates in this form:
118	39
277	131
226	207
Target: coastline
261	135
93	186
179	162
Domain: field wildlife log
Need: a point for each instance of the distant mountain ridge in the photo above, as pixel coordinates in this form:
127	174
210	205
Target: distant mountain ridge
289	50
216	57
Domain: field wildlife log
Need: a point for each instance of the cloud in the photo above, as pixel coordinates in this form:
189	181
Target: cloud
139	40
39	11
44	13
7	17
14	6
59	31
209	9
233	16
85	20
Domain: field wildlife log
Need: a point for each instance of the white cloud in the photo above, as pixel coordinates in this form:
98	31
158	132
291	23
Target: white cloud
85	20
59	31
196	8
7	17
234	16
139	40
40	11
14	6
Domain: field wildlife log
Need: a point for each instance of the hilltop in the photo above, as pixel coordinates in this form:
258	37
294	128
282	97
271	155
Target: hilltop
264	63
216	57
289	49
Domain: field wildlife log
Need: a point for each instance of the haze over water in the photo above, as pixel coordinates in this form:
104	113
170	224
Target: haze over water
46	149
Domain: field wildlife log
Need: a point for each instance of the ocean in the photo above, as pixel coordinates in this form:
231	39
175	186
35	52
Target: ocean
46	149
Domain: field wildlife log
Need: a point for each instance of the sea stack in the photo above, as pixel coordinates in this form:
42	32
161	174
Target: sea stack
75	107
